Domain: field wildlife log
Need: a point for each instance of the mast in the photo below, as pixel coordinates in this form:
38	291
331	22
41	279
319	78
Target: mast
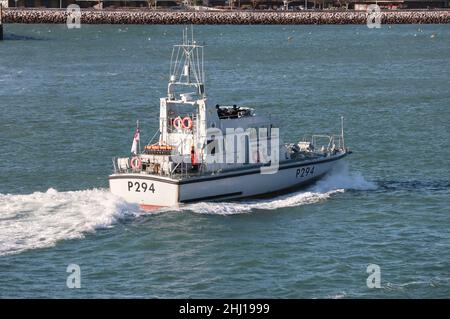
186	97
139	140
186	67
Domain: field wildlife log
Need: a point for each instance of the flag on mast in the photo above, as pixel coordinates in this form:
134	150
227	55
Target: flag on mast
134	147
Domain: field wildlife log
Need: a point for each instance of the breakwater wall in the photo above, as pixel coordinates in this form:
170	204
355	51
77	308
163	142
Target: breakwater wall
223	17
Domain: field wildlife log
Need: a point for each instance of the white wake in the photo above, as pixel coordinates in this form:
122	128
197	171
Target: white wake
39	220
337	181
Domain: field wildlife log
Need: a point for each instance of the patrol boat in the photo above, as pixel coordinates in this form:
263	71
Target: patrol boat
204	152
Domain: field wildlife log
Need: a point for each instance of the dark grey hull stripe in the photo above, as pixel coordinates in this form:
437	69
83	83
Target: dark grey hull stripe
198	199
288	189
263	195
224	175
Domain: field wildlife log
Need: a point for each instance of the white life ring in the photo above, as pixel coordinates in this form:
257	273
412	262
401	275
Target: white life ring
189	122
177	123
136	163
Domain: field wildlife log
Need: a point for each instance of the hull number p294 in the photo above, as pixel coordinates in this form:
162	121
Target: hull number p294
304	171
140	187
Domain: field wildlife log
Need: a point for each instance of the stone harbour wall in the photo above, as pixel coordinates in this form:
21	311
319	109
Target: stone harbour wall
224	17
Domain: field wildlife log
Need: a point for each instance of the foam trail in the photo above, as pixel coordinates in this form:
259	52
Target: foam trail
337	181
39	220
340	177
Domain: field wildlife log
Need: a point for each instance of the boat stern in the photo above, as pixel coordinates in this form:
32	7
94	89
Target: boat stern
147	191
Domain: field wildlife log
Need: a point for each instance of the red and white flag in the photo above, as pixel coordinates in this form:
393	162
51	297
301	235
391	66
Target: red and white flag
134	147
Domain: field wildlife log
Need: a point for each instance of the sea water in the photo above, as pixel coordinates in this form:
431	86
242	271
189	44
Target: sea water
69	101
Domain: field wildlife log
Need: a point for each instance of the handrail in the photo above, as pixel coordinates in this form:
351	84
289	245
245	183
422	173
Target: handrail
176	166
332	141
157	131
114	159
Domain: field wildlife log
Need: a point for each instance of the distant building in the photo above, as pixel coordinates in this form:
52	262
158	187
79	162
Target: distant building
324	4
398	4
89	3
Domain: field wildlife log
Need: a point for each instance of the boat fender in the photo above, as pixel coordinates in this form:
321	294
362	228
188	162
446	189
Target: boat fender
189	123
136	163
177	123
193	157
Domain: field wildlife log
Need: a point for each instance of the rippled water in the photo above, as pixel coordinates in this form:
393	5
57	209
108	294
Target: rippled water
68	103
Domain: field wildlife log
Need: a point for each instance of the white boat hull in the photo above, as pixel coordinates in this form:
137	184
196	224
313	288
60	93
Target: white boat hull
155	191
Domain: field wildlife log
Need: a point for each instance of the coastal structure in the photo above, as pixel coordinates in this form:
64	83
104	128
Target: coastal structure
225	17
233	4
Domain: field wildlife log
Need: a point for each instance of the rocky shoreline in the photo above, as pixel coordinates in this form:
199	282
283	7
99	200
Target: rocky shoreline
225	17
